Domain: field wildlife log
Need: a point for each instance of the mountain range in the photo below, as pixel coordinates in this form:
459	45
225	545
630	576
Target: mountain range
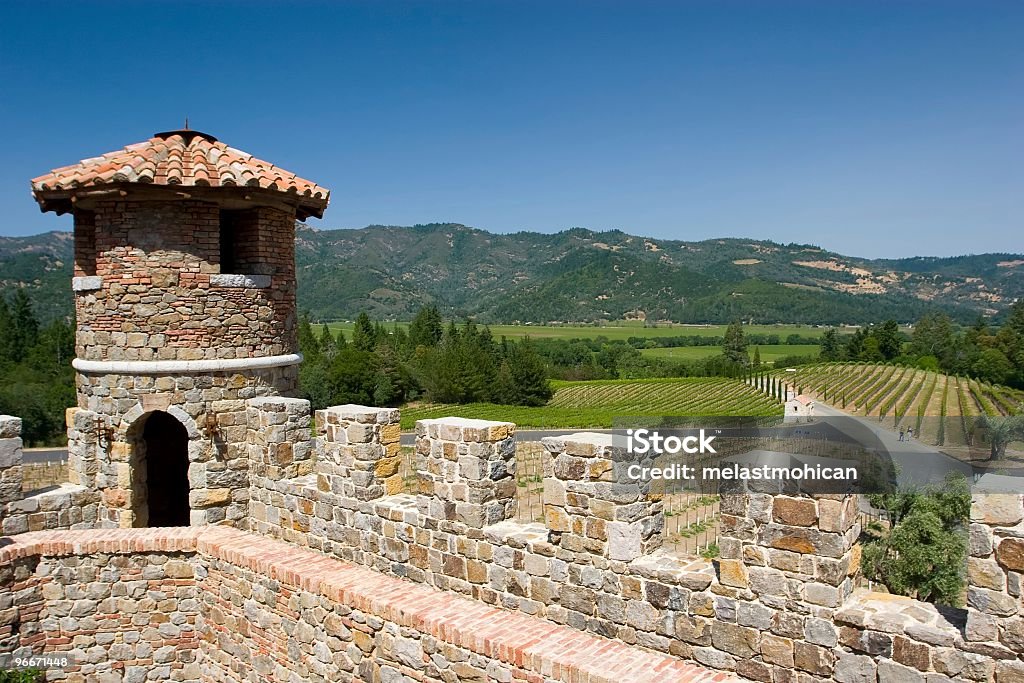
580	275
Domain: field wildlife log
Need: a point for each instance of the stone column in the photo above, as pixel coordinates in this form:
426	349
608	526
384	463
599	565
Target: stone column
790	562
10	471
592	505
467	469
83	445
995	575
279	438
358	451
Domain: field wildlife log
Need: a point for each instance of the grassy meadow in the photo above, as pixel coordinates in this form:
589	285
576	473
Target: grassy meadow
621	329
769	352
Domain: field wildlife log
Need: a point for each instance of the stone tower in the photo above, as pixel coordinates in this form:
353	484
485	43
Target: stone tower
184	290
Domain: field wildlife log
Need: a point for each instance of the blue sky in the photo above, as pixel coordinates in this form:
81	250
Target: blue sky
871	128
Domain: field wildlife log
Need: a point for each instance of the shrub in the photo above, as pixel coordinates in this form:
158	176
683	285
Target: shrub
923	554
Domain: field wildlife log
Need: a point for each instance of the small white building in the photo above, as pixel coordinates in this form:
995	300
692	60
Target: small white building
799	408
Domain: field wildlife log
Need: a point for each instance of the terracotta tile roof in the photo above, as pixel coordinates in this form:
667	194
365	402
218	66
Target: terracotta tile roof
180	158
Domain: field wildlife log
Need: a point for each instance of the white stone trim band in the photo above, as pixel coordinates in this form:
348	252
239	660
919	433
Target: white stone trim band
243	281
86	283
173	367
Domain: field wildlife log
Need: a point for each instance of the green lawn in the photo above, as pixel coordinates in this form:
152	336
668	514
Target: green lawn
769	352
622	329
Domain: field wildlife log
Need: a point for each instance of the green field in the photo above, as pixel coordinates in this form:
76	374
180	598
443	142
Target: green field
598	403
622	329
769	352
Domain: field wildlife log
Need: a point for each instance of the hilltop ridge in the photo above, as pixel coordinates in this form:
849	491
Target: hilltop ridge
580	275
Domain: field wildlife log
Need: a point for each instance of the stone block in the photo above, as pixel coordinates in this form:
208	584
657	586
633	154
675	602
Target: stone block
777	650
10	427
739	641
985	573
1010	554
625	541
853	668
813	658
997	509
910	653
794	511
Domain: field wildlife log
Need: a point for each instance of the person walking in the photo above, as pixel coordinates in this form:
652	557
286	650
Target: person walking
902	431
910	433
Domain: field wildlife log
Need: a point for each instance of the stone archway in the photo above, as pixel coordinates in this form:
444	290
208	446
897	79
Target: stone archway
159	467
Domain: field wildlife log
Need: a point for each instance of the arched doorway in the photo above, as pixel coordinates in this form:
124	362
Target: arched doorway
161	472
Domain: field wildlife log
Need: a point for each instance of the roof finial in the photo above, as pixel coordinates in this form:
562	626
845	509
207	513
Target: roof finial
186	123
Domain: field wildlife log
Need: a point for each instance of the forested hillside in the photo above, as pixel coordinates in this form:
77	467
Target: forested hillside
583	276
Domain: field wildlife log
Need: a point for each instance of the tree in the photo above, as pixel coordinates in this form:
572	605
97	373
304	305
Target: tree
831	347
888	336
992	365
364	335
326	345
426	328
24	332
1000	431
924	552
522	377
933	336
734	346
757	357
871	351
855	345
309	347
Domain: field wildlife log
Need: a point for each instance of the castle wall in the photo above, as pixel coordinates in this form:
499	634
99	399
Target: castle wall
219	604
778	606
150	284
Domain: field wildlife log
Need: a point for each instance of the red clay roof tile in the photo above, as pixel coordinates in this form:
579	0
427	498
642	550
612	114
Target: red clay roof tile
181	158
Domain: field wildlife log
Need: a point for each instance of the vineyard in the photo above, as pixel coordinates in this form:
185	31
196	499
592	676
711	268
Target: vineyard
939	408
598	403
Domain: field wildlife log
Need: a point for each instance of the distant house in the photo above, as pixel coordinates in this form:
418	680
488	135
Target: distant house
799	408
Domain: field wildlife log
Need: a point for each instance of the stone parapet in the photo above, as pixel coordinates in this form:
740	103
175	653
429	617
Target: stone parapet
592	504
304	617
279	440
467	470
358	452
995	572
11	474
10	460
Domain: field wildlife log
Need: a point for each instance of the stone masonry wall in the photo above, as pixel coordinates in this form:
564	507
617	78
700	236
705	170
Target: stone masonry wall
103	436
116	616
156	299
60	507
218	604
778	606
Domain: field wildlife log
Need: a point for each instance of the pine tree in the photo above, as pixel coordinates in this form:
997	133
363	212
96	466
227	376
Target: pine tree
734	345
326	344
831	347
24	326
426	329
309	347
364	335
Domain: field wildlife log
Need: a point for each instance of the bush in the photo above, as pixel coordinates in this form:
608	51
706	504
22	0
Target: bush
923	554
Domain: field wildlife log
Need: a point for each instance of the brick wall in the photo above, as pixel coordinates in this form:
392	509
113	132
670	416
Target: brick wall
156	300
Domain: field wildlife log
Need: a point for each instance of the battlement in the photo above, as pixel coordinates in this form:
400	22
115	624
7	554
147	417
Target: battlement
779	604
